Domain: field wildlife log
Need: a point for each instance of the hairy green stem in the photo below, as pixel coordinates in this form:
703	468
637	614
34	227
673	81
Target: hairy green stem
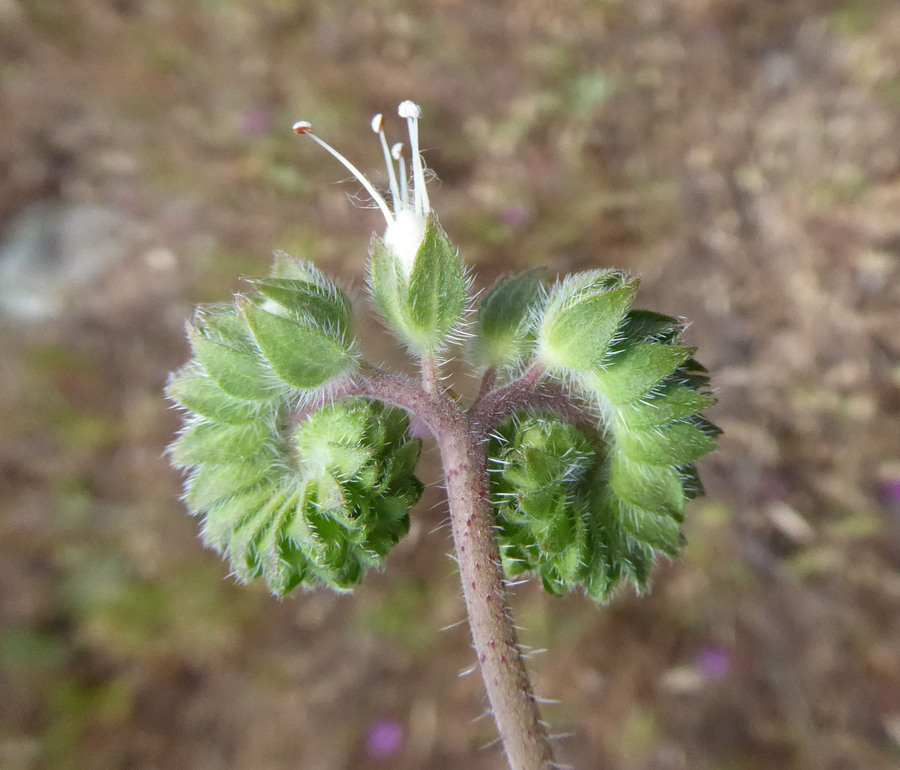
493	633
463	445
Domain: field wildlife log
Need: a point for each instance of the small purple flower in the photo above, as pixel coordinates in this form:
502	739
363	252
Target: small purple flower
385	739
256	121
517	215
889	491
714	662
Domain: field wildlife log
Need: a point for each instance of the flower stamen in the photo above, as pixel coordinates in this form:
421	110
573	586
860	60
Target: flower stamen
378	128
411	111
397	154
303	127
407	223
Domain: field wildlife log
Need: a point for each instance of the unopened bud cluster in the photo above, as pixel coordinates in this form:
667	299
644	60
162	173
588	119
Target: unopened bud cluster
292	494
592	507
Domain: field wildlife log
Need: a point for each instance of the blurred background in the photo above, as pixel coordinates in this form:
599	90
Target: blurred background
742	155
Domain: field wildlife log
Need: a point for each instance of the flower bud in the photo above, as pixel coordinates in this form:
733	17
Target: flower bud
424	304
581	319
504	333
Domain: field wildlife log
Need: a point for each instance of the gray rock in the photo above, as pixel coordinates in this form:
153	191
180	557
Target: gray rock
53	253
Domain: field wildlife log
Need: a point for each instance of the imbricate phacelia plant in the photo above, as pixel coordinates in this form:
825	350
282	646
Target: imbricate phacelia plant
573	463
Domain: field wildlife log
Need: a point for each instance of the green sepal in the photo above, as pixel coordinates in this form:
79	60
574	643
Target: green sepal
198	392
503	334
331	499
315	302
211	484
565	542
581	319
602	573
391	513
209	442
239	374
655	530
250	536
647	326
390	292
690	481
423	306
665	403
637	561
437	285
708	428
241	512
224	346
223	324
334	558
400	460
692	374
673	444
283	566
294	269
331	441
631	373
653	488
303	356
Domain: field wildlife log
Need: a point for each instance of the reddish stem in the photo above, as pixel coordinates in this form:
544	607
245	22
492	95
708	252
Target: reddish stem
463	445
493	633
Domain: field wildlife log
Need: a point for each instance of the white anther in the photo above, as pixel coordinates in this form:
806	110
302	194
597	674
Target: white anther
409	109
378	123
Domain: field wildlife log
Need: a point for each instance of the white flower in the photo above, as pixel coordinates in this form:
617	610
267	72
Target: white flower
406	221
